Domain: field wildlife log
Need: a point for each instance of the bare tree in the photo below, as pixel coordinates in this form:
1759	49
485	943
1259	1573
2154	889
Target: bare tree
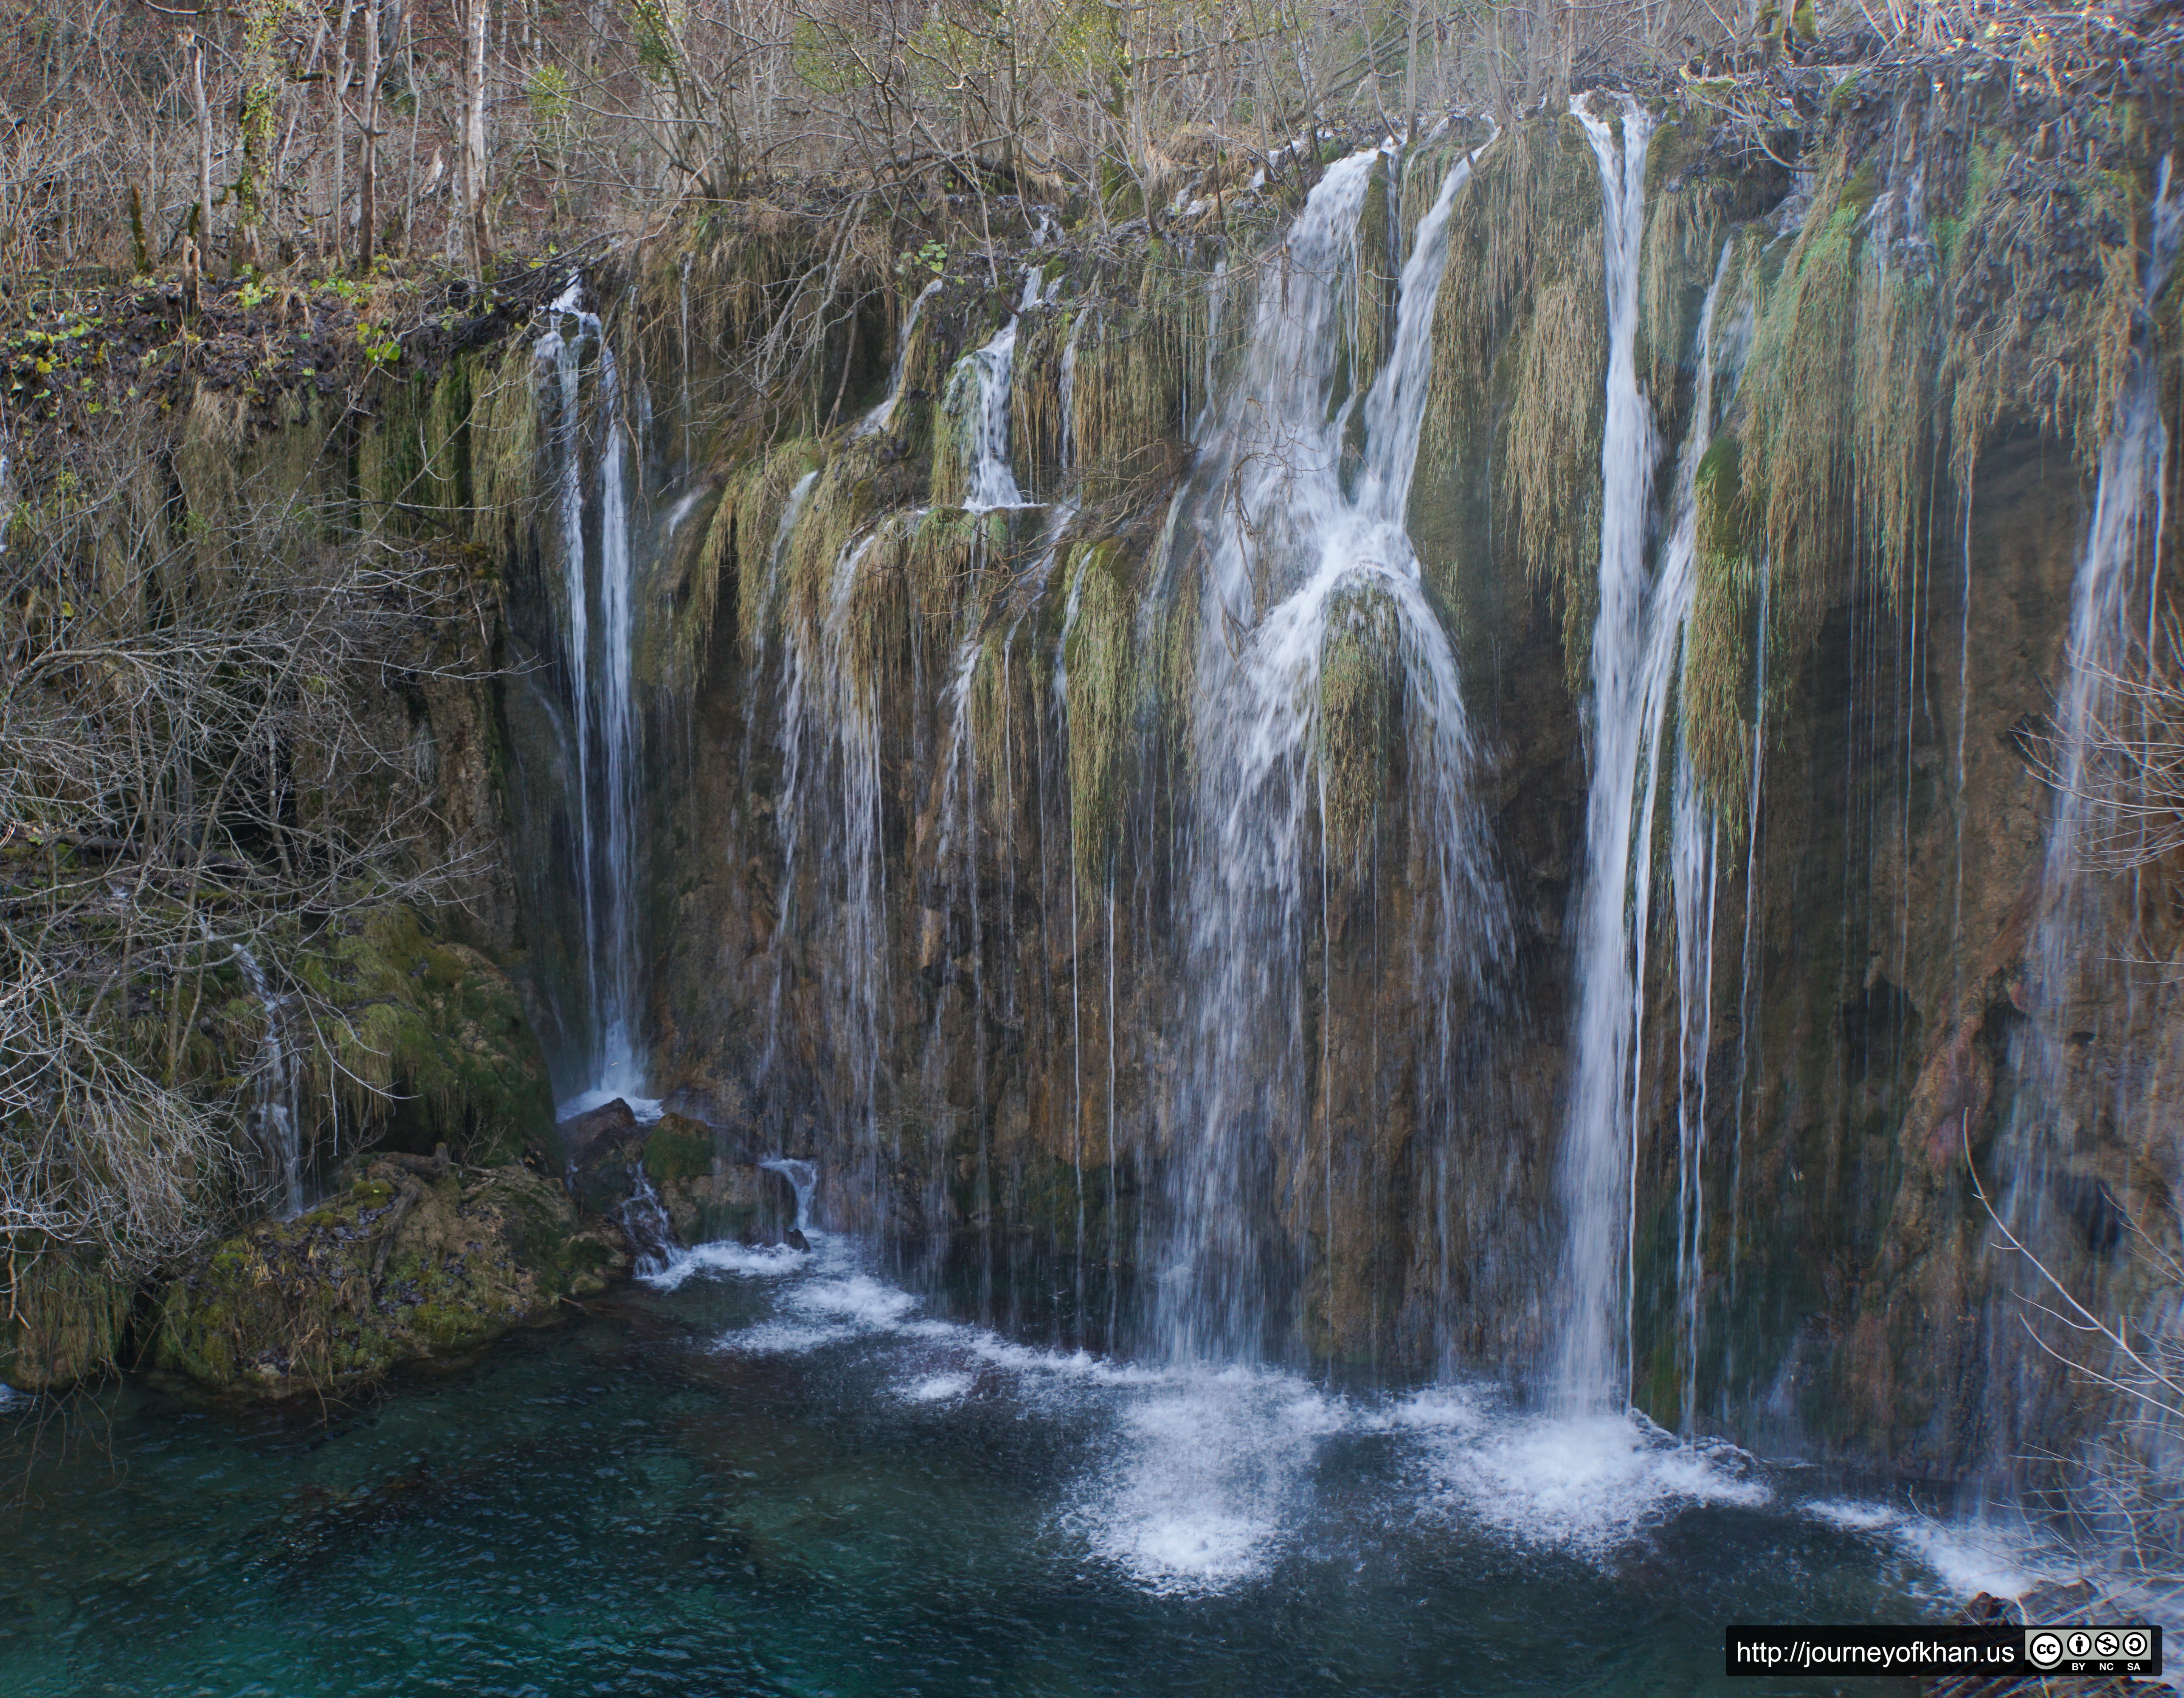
196	780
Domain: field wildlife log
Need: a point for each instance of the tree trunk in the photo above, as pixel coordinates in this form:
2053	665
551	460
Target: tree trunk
261	91
204	221
473	147
367	188
339	114
1411	84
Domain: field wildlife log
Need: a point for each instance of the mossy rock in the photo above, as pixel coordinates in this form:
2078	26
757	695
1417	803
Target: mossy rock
679	1147
439	1037
414	1260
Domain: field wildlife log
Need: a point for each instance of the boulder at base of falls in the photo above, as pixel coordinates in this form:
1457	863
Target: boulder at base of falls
710	1187
417	1259
708	1191
606	1152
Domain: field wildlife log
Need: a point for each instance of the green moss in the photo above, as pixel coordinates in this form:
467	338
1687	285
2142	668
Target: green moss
1857	195
678	1149
435	1045
384	1273
1373	273
1356	706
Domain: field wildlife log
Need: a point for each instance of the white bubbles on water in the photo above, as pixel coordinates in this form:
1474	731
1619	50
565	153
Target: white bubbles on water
1204	1477
1586	1484
826	1311
760	1260
1197	1480
1966	1556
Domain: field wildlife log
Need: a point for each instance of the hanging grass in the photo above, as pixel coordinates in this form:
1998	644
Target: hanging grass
1100	656
1126	402
1891	399
1036	424
2046	304
1519	361
741	543
1683	239
503	454
1721	640
1796	459
62	1319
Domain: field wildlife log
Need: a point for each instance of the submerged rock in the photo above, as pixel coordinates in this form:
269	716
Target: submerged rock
418	1258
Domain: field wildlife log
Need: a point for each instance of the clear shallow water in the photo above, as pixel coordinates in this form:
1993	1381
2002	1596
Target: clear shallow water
777	1473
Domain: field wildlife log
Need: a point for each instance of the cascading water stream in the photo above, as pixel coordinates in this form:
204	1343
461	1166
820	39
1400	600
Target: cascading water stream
990	483
829	812
882	415
1693	840
802	1179
1597	1165
275	1110
599	656
1295	561
2113	608
830	784
2129	514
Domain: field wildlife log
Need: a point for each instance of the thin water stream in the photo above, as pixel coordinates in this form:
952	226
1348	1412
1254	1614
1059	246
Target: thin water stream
598	650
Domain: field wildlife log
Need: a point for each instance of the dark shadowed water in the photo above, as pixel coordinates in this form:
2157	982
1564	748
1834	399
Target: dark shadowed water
774	1473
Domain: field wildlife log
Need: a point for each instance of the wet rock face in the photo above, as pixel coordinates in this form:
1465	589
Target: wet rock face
417	1258
1000	908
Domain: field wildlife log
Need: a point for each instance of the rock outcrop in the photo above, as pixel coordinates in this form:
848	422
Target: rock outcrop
416	1258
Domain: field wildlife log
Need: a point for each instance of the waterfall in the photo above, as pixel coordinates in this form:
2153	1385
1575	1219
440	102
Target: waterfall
2114	602
1694	840
1630	677
830	768
882	415
645	1223
2129	513
1294	562
829	811
275	1110
803	1179
990	483
603	717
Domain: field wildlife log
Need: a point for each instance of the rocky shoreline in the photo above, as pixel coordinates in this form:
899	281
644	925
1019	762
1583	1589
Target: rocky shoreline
412	1258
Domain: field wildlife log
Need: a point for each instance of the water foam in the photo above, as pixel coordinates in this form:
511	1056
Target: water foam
1967	1557
1585	1484
1199	1481
1205	1478
761	1261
